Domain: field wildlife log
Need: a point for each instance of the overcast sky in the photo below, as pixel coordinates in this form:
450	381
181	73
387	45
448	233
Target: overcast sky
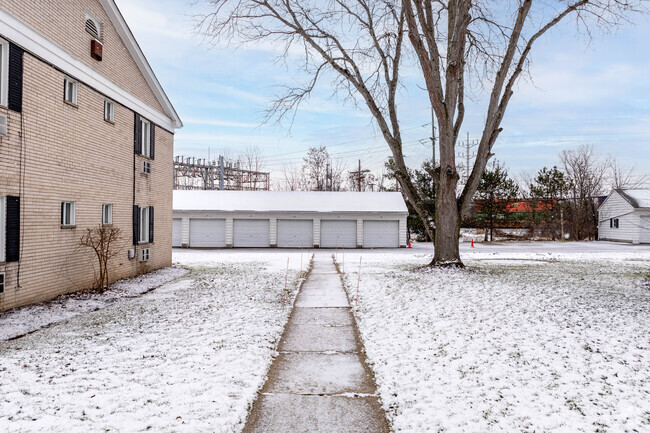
596	93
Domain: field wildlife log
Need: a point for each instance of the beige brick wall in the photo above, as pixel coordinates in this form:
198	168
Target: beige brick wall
73	154
63	22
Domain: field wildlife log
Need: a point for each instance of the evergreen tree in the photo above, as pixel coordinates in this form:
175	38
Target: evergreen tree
493	196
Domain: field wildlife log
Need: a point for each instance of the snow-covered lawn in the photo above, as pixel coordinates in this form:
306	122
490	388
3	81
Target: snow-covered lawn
543	337
188	356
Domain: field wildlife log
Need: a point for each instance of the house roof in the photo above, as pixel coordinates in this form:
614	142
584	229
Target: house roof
638	198
288	201
138	56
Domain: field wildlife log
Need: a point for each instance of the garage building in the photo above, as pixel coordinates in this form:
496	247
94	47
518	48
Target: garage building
625	216
288	219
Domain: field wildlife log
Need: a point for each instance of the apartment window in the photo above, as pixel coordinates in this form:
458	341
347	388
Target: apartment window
145	140
145	254
2	283
4	71
3	224
107	214
109	111
145	215
146	167
68	213
70	90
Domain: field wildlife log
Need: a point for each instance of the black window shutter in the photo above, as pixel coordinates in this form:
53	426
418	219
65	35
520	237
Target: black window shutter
136	224
13	229
137	135
150	223
152	136
15	94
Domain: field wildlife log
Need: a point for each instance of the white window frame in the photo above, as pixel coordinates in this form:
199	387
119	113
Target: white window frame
145	254
145	214
3	225
67	81
109	110
146	167
68	214
107	213
4	72
145	138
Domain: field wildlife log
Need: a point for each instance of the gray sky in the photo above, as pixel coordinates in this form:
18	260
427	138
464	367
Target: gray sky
582	92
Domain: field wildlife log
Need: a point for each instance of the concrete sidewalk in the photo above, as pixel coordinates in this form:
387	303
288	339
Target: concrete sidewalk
319	382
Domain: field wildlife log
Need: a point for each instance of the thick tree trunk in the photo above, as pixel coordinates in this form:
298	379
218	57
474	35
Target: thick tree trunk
446	250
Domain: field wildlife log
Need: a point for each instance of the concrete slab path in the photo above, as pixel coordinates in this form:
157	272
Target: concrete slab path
319	382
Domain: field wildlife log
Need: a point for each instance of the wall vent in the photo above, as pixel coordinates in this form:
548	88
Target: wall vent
3	125
92	27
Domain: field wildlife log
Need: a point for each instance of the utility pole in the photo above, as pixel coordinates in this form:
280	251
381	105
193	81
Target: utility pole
358	174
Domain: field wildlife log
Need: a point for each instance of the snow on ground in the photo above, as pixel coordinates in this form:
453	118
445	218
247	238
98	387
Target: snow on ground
23	320
189	356
546	337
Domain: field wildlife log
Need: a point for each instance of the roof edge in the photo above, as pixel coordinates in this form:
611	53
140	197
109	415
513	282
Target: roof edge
123	30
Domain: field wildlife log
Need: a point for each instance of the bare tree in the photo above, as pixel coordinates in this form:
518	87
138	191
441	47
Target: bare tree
315	167
294	178
625	178
586	172
103	240
456	43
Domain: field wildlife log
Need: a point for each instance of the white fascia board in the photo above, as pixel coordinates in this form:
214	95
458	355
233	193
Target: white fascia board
21	34
132	45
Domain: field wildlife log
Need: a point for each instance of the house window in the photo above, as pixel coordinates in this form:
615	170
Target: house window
4	71
145	141
70	90
109	111
3	225
68	213
107	214
144	224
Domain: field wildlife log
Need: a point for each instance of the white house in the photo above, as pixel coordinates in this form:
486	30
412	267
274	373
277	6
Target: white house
288	219
624	216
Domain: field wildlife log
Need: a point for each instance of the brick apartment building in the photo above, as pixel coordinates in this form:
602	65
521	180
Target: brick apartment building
86	138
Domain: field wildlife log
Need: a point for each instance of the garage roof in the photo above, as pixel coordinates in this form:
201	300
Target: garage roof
289	201
638	198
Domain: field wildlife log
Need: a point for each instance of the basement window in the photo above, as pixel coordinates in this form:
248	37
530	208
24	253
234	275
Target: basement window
2	283
68	213
145	254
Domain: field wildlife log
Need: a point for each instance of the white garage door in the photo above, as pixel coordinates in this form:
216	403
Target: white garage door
177	228
381	234
335	233
251	233
645	230
295	233
207	233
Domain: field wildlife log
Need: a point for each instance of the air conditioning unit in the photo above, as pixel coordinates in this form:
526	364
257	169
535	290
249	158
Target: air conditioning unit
2	283
146	167
3	125
145	254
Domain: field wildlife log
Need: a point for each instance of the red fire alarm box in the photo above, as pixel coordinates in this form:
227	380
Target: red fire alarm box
96	50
